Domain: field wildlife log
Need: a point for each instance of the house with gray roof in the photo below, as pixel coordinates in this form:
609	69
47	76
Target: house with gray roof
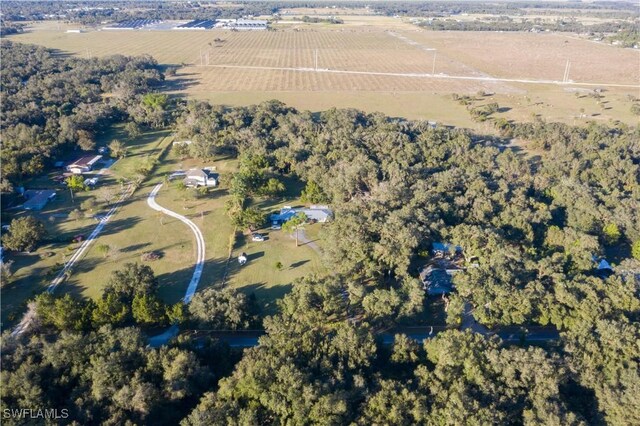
320	214
37	199
195	178
438	280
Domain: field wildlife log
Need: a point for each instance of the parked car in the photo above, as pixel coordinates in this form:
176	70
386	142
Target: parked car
257	237
275	226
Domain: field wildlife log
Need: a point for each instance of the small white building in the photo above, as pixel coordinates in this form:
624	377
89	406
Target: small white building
83	164
195	178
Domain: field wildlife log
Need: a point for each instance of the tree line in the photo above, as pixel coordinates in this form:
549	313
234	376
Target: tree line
506	23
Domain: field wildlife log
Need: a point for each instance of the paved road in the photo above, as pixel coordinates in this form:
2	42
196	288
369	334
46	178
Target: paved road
197	272
249	339
162	338
29	316
440	76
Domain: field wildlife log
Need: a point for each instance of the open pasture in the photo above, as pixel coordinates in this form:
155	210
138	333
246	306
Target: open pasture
536	56
376	64
500	55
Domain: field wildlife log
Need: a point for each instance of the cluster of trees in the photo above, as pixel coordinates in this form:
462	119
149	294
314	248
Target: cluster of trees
52	103
482	112
251	180
109	376
130	298
626	37
97	364
505	23
313	367
317	20
25	233
8	28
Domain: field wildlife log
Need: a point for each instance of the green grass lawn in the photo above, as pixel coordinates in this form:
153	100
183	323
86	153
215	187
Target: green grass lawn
32	272
139	150
137	229
260	276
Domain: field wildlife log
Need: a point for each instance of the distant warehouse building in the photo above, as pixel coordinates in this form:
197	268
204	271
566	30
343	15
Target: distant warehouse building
131	24
37	199
248	24
199	24
83	164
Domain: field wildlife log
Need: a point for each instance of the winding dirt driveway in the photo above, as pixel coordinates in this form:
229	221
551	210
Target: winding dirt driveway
197	272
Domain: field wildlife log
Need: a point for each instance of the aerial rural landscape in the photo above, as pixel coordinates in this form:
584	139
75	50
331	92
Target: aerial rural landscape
320	212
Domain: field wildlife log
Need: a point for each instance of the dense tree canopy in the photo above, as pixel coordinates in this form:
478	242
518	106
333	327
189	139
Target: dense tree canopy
397	186
534	229
52	103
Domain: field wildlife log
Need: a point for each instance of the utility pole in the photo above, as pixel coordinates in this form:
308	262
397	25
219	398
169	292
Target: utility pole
567	67
433	70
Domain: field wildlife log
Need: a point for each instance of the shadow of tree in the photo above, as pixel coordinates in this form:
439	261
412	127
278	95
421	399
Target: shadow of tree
267	296
299	263
134	247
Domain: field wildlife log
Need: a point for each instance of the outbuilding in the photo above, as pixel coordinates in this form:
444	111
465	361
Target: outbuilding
83	164
37	199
